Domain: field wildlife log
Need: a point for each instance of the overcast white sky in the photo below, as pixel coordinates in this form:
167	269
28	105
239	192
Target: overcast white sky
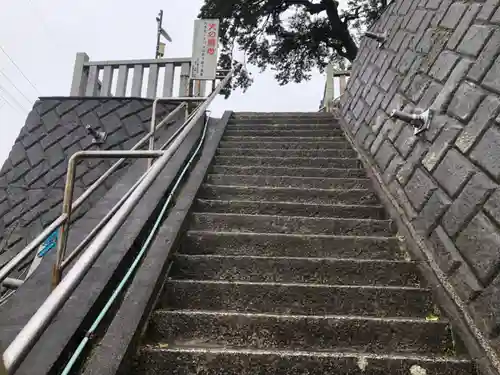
43	36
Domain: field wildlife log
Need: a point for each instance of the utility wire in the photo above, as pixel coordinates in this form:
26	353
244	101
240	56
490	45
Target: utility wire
2	72
12	98
20	70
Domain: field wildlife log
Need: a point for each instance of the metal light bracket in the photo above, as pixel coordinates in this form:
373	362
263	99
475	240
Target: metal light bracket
98	137
380	38
420	121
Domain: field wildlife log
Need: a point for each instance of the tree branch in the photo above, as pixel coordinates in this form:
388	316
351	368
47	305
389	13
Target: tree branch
351	16
311	8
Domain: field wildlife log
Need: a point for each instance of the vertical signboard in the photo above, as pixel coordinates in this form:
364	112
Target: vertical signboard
205	43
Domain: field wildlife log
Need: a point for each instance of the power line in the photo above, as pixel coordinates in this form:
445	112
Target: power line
13	84
2	89
20	71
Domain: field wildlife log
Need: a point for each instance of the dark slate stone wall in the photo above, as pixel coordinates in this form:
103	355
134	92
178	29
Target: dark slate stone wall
442	53
33	177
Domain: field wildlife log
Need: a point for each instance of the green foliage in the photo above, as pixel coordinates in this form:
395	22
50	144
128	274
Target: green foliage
292	37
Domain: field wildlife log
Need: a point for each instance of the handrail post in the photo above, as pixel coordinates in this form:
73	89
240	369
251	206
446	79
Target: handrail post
68	198
154	127
66	210
80	75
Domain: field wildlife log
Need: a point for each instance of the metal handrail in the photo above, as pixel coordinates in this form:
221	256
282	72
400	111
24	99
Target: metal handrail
63	218
115	208
137	261
31	332
68	196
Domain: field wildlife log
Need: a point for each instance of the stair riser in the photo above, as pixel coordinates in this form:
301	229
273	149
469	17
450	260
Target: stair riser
342	145
295	270
301	300
299	333
289	182
283	171
229	138
292	246
288	162
158	362
325	153
291	209
284	121
290	224
316	133
363	197
289	126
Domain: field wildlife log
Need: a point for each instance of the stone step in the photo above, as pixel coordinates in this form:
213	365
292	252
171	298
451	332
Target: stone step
283	126
290	224
296	270
296	139
155	360
287	162
282	114
294	145
300	299
290	245
282	194
290	209
315	133
288	171
299	332
284	120
289	182
325	153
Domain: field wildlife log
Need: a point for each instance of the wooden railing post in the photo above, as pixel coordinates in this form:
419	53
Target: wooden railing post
80	75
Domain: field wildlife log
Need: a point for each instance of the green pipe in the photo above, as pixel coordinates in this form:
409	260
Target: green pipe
136	262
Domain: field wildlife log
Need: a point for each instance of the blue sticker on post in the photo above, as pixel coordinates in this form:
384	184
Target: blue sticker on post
48	244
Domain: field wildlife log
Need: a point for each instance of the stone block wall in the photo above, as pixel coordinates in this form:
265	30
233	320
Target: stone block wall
444	54
32	179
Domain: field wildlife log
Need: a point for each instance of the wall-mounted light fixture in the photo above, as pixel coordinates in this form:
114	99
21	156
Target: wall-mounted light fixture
380	38
420	121
98	137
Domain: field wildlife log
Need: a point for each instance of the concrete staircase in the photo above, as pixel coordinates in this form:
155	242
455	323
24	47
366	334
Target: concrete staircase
291	266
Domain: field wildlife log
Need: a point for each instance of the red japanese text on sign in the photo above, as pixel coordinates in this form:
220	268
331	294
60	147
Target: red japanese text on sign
205	45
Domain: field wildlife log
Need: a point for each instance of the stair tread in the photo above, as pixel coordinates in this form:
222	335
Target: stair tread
249	361
295	298
289	270
303	285
306	353
294	177
225	214
319	162
262	170
288	181
296	317
292	235
296	203
336	153
307	258
282	188
327	332
282	158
